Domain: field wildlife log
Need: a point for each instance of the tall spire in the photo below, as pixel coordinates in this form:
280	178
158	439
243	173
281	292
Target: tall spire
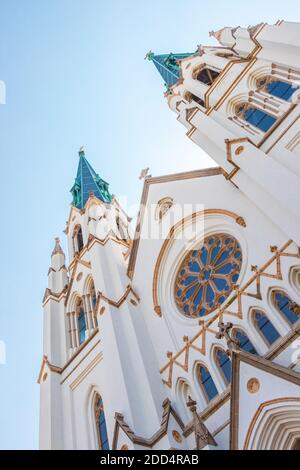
167	65
87	181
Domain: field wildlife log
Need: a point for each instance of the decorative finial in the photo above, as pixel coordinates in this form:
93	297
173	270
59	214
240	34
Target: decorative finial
149	55
217	34
203	437
144	174
224	332
81	151
57	248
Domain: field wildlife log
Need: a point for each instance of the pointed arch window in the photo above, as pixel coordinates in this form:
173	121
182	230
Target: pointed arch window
93	295
278	88
244	341
207	384
266	328
77	239
81	321
224	364
93	298
101	423
285	305
255	117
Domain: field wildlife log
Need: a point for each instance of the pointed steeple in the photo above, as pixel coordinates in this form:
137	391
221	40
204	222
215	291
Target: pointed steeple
168	65
87	181
57	247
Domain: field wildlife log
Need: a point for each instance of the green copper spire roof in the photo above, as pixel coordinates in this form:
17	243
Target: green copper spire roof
86	182
167	65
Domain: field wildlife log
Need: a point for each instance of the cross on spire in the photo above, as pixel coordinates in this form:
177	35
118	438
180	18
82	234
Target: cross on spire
224	332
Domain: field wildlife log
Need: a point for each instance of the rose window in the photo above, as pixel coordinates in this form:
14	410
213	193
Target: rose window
207	275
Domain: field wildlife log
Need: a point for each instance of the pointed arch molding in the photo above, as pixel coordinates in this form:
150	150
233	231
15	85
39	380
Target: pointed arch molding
170	238
258	418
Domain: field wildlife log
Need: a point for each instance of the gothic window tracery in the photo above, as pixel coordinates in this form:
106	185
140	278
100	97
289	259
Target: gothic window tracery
101	423
276	87
286	306
254	116
81	321
224	364
206	382
265	327
207	276
243	340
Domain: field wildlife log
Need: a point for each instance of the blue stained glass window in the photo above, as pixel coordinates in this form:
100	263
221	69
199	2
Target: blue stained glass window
81	326
283	303
101	424
259	119
265	326
207	383
244	341
224	364
281	89
207	275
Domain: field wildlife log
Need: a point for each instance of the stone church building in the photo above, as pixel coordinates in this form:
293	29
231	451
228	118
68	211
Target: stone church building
185	334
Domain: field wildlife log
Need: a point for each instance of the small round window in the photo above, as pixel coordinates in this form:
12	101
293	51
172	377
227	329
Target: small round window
207	275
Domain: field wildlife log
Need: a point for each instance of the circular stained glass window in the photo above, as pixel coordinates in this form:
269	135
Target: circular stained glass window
207	275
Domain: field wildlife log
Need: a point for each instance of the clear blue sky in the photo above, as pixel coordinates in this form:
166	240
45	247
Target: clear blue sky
75	74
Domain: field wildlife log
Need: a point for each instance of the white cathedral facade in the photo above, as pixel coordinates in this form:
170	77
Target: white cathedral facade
186	335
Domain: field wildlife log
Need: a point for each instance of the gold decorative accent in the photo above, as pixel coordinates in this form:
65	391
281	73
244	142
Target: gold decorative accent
149	442
253	385
177	436
157	310
118	303
102	310
239	150
45	377
188	96
238	296
241	221
133	302
229	144
51	367
79	276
